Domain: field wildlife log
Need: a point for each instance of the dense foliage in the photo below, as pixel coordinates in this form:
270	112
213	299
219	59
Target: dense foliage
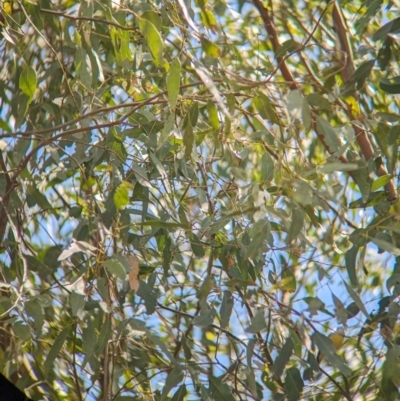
194	195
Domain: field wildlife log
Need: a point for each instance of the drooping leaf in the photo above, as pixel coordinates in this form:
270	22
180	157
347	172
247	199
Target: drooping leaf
324	344
173	82
55	349
28	82
257	323
121	195
226	308
173	379
283	358
219	390
391	85
293	384
154	40
350	258
210	48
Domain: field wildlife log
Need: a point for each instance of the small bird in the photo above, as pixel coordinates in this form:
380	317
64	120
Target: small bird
337	338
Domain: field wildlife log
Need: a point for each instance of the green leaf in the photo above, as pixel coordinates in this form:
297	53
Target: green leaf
373	199
393	283
197	247
288	281
324	344
359	76
263	105
391	85
188	139
121	195
213	118
116	267
380	182
340	310
173	379
362	23
286	47
148	295
294	103
77	302
296	224
154	40
329	135
350	258
156	340
141	175
22	331
208	19
205	318
314	305
105	335
336	166
55	349
180	394
257	323
389	27
89	338
306	115
226	308
34	310
267	168
153	17
386	246
28	82
193	114
293	384
391	368
220	391
357	300
167	129
352	310
283	358
210	48
173	82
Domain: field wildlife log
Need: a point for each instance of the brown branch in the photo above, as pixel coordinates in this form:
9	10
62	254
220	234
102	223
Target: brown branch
346	72
282	66
269	26
346	61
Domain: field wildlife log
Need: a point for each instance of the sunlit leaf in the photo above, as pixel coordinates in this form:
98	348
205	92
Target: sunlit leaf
154	40
210	48
28	81
121	195
173	82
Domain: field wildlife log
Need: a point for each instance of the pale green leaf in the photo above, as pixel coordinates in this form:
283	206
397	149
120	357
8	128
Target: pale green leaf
357	300
28	82
154	40
55	349
173	82
386	246
283	358
121	195
226	308
173	379
325	345
257	323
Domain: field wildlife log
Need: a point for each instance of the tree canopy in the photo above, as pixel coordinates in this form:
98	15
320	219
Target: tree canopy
195	195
